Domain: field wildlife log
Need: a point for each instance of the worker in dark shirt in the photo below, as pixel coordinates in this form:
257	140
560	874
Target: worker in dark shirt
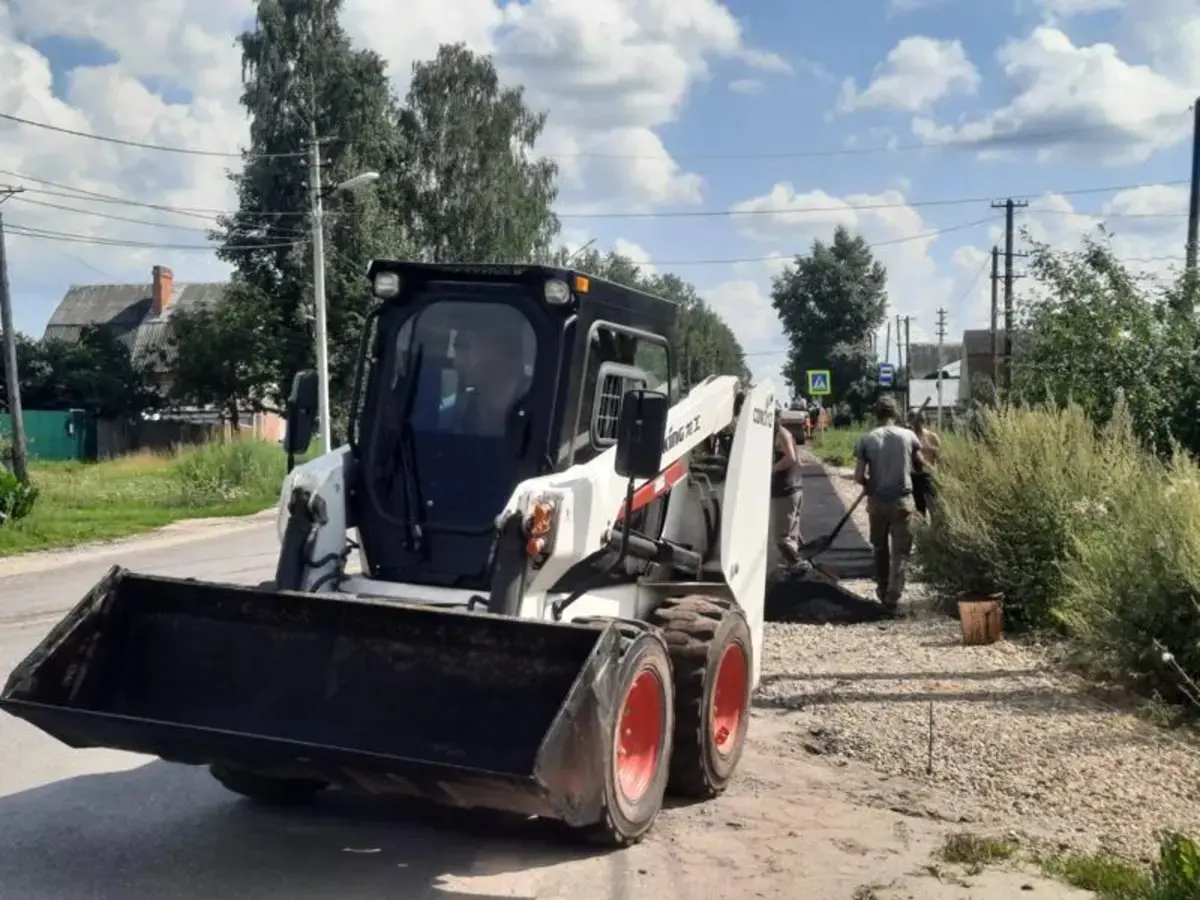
787	496
885	459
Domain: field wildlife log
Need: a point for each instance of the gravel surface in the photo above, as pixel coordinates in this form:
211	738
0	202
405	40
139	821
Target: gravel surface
1017	743
1025	746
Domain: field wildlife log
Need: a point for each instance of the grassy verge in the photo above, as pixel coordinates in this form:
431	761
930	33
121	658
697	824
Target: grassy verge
82	502
1175	875
835	446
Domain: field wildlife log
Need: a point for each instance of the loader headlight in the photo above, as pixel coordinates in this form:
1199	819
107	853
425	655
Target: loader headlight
387	285
539	528
557	293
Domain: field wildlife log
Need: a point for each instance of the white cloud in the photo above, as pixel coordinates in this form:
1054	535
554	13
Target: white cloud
746	86
176	81
1073	100
1056	10
904	241
636	253
918	72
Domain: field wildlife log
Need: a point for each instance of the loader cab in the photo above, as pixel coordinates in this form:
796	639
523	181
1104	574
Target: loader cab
475	379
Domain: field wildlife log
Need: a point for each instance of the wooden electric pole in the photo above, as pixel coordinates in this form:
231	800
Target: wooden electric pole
1009	206
1188	300
12	377
995	316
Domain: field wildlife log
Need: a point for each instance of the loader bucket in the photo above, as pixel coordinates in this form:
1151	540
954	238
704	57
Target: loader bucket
467	709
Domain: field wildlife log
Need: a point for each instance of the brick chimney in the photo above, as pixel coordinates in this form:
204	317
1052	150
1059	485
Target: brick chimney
164	281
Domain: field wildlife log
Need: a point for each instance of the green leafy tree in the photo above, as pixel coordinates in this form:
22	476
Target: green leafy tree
301	75
475	192
1094	332
97	372
217	357
830	302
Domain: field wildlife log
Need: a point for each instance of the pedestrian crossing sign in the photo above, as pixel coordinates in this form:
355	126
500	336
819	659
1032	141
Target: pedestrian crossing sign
819	383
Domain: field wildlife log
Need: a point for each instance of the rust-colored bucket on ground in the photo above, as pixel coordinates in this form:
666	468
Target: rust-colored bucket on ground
982	618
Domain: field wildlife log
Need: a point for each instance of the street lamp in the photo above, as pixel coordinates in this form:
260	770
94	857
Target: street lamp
318	239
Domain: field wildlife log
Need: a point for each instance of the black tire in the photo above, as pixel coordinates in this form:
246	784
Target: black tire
698	631
628	819
264	788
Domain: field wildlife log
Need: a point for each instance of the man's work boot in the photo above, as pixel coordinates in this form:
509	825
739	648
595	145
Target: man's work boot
791	556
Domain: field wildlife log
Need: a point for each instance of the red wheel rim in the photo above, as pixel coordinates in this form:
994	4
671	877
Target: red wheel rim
729	698
639	735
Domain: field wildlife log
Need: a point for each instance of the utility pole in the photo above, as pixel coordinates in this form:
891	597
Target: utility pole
941	357
1009	206
995	315
12	377
907	364
899	344
1193	232
319	312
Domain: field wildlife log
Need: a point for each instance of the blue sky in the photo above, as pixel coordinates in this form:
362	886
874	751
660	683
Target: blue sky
715	107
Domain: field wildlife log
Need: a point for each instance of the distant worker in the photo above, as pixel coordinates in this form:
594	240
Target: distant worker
885	459
787	496
931	449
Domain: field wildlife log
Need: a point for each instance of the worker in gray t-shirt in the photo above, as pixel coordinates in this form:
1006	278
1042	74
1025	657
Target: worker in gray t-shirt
885	459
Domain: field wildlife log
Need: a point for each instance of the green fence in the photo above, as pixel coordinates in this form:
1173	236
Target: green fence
56	435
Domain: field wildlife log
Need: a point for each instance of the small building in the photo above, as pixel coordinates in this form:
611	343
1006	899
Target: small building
978	357
923	358
141	316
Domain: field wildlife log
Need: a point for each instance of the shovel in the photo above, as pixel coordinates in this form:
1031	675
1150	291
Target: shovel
819	545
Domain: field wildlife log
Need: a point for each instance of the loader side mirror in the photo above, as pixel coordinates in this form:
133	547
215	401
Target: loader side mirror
641	430
301	412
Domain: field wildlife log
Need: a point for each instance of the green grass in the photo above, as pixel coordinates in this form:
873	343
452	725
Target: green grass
975	852
81	502
1174	875
835	446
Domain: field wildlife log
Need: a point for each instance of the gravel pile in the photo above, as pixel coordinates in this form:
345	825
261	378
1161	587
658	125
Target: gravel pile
1025	747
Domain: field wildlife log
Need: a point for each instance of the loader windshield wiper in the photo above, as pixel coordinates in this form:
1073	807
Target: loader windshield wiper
401	459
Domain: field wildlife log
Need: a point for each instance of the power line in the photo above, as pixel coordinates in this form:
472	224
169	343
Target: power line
34	232
130	219
70	238
210	214
140	145
1014	138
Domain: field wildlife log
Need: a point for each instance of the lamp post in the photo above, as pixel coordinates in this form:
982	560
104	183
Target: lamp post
318	239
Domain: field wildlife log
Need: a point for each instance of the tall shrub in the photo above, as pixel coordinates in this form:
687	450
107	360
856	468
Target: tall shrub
1017	497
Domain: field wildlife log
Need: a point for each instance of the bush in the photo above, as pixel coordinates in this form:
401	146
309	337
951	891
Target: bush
1131	589
1017	498
16	497
1007	504
223	472
1083	531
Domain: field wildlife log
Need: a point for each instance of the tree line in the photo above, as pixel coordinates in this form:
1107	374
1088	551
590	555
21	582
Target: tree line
460	182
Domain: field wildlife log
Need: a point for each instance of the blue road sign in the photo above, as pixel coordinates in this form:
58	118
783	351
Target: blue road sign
819	383
887	374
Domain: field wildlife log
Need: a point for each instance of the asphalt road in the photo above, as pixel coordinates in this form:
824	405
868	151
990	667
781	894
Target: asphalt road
96	824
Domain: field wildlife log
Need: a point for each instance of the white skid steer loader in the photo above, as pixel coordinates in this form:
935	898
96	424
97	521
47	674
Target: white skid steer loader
559	608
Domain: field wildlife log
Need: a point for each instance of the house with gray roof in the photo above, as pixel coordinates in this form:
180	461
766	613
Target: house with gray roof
141	314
